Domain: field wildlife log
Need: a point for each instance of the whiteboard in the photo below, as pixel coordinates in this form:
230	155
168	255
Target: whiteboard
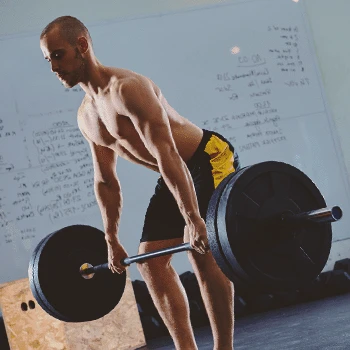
247	70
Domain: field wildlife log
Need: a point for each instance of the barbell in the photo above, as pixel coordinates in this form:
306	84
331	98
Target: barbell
269	229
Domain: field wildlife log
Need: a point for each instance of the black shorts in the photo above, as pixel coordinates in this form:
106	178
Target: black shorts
213	160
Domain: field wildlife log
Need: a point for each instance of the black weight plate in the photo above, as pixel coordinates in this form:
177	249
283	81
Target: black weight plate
57	281
230	267
34	284
212	231
270	256
31	275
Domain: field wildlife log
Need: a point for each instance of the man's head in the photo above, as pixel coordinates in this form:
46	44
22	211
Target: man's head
66	44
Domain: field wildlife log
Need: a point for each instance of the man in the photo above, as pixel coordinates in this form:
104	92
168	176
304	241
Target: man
124	114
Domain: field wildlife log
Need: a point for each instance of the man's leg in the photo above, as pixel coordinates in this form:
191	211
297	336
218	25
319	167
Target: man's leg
218	294
168	293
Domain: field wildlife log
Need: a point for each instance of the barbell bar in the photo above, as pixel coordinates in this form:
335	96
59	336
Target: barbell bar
88	270
322	215
269	229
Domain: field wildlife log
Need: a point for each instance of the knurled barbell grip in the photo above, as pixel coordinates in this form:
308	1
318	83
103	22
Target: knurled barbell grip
139	258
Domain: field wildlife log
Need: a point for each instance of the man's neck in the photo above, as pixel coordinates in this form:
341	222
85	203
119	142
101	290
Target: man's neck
98	80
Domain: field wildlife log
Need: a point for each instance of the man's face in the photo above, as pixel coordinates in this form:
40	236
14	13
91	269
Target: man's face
66	60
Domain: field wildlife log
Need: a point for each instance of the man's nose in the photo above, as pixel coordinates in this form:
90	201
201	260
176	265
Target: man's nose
54	67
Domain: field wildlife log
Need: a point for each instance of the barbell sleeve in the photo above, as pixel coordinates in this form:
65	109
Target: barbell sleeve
139	258
322	215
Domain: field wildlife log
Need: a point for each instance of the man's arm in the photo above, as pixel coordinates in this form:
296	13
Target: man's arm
107	187
142	106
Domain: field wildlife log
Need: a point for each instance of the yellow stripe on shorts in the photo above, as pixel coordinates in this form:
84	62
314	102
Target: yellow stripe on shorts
221	159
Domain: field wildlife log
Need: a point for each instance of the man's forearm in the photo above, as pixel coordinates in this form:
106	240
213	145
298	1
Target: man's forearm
179	181
109	199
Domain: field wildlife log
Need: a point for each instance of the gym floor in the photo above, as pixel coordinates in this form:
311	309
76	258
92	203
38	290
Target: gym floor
319	325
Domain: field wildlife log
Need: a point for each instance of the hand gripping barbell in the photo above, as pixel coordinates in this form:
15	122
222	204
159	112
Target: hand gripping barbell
269	229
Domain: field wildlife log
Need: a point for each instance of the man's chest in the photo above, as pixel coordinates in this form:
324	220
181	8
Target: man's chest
104	126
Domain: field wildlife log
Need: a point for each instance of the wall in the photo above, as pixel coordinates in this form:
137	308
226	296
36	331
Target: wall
328	22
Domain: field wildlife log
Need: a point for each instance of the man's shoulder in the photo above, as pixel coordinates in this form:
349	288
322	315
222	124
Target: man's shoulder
123	78
84	106
83	111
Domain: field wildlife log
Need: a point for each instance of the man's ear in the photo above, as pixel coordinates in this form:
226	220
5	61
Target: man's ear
83	44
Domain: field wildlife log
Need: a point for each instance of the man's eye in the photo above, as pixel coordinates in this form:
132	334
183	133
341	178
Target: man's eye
56	56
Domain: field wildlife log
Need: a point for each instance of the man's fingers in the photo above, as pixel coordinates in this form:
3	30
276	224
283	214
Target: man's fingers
206	247
116	269
200	246
199	249
119	269
193	246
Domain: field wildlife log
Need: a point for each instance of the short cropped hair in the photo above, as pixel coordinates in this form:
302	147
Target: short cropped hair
69	27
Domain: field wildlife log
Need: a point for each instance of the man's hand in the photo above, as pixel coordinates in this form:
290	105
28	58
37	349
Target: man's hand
116	253
197	234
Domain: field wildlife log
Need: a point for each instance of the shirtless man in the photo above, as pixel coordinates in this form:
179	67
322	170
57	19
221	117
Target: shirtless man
124	114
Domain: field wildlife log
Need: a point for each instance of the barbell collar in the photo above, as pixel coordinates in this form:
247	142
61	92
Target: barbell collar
87	269
322	215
